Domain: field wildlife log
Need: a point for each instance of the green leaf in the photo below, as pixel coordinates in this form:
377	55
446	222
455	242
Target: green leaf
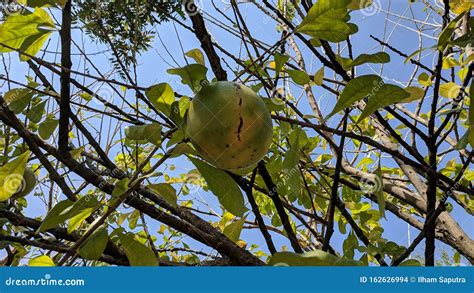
312	258
280	60
54	217
298	76
471	115
424	79
166	191
193	75
223	186
410	263
27	31
137	253
355	90
41	261
120	187
379	190
197	55
65	210
319	76
449	90
416	93
327	20
330	30
324	10
36	112
380	57
233	230
445	36
78	219
161	96
18	99
463	141
47	127
147	133
11	176
387	95
95	245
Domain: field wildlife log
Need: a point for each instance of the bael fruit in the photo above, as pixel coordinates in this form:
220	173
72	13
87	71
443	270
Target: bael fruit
229	125
27	184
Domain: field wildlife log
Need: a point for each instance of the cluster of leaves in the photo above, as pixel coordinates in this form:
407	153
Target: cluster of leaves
128	24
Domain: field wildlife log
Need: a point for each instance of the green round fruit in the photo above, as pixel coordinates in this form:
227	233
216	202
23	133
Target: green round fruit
229	125
27	184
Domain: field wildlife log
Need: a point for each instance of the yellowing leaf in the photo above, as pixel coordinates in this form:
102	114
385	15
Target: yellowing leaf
161	96
449	90
27	32
424	79
11	176
416	93
197	55
41	261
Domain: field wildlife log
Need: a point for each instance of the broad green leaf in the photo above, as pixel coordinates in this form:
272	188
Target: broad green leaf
197	56
319	76
120	187
312	258
298	76
18	99
380	57
161	96
387	95
11	176
233	230
54	217
449	90
359	4
193	75
223	186
147	133
137	253
471	115
47	127
330	30
410	263
463	141
290	165
445	36
78	219
280	60
26	31
416	93
379	190
357	89
67	209
41	261
324	10
424	79
95	245
36	112
166	191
